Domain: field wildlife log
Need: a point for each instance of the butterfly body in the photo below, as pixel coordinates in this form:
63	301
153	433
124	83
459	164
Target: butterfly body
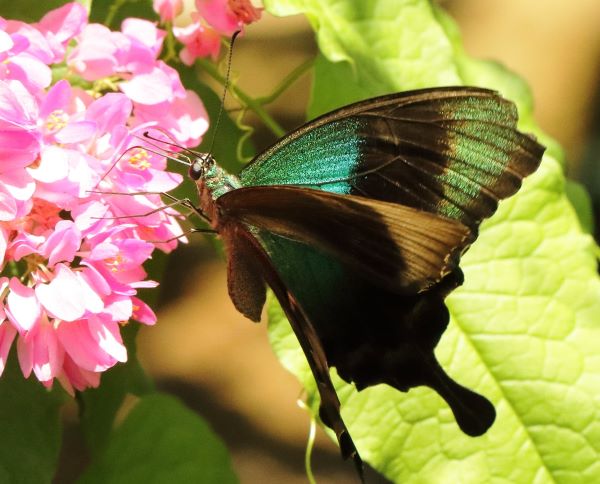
357	222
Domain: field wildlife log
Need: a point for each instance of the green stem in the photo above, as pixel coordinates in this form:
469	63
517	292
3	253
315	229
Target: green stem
310	443
247	132
171	52
112	11
253	104
309	448
287	82
13	269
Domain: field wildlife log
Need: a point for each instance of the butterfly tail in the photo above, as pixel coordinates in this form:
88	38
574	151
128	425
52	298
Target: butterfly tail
474	413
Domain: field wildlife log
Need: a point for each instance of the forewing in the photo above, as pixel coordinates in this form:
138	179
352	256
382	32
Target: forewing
397	247
450	151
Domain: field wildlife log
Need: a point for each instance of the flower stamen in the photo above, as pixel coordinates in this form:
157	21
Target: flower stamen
57	120
114	262
139	160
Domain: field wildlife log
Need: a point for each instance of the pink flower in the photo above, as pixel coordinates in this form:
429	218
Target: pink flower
22	306
76	377
25	68
68	296
185	118
80	251
62	244
151	88
61	25
145	33
93	344
227	16
199	40
167	9
59	116
7	336
213	18
96	55
40	351
19	138
141	312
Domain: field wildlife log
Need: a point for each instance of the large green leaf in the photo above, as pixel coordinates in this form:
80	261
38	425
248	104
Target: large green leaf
161	441
29	426
525	328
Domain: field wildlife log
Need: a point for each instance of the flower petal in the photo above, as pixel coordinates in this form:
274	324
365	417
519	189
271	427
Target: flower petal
47	356
7	335
65	22
142	312
68	295
22	306
62	243
76	132
77	377
82	347
118	308
152	88
108	336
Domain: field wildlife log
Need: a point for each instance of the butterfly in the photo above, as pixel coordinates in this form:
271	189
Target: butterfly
357	221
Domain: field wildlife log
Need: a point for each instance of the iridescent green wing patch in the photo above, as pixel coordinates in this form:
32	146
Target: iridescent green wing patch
450	151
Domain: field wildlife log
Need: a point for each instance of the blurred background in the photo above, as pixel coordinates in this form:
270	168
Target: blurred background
221	364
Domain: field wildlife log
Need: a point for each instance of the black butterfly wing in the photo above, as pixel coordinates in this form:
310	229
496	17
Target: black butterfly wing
452	151
344	260
372	335
397	247
258	267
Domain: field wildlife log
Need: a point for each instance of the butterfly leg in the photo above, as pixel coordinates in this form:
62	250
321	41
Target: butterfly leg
184	202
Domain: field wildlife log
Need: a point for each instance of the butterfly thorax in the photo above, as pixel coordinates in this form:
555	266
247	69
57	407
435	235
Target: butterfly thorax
212	182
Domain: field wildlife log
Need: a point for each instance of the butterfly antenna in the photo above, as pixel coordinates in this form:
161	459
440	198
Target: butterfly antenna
159	150
226	87
173	142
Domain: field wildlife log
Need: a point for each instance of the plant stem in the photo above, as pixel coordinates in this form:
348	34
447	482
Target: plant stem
171	53
248	101
112	11
287	82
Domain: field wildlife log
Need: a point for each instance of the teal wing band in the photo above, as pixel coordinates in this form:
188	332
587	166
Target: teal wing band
453	152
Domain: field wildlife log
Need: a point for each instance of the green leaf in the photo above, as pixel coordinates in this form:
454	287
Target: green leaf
582	202
112	12
30	428
161	441
327	74
525	327
373	36
28	10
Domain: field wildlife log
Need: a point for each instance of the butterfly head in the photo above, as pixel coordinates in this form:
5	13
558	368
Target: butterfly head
201	166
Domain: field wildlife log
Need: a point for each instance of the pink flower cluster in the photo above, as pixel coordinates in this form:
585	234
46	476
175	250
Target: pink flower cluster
211	20
72	254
